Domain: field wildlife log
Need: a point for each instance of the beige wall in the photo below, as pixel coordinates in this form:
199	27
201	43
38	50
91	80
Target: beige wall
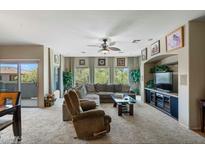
183	68
183	61
68	63
46	71
51	70
197	70
30	52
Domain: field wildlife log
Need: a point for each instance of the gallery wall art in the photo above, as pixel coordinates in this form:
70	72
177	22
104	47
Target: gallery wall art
121	62
101	61
175	39
155	48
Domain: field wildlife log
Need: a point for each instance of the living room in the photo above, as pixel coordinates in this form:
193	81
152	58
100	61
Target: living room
105	77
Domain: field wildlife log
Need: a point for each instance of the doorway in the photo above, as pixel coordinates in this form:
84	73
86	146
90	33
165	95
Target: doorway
21	76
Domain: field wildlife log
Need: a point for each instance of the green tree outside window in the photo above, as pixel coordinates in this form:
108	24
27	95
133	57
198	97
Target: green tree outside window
121	76
81	76
102	75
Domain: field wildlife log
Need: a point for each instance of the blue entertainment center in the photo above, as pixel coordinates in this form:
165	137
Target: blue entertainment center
166	102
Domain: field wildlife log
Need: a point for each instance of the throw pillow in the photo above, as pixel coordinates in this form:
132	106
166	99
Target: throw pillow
90	88
100	87
110	88
118	88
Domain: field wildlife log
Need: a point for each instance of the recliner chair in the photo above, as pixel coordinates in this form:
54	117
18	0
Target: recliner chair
88	124
85	105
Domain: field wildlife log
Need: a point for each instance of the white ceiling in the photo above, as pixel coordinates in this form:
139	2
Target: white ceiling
69	32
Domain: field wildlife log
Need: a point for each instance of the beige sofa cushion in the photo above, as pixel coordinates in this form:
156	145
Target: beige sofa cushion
93	97
105	93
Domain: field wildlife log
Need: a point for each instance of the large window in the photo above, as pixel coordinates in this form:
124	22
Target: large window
81	76
121	75
102	75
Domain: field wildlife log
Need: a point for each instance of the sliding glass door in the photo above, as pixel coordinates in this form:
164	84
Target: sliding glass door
29	84
22	77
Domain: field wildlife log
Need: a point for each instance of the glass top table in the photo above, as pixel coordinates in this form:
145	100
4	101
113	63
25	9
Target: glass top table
124	104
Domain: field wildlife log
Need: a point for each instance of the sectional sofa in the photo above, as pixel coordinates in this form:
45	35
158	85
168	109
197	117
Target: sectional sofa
99	93
104	91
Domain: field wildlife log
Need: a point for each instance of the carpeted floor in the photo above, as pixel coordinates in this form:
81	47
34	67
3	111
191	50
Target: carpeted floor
148	125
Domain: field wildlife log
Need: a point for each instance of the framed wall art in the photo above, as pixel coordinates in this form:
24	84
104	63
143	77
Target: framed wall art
144	54
81	62
155	48
101	62
121	62
175	39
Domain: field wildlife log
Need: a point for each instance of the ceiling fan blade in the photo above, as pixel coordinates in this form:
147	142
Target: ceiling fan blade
112	43
93	45
114	49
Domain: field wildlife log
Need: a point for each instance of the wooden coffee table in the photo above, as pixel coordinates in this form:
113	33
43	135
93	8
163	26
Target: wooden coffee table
124	105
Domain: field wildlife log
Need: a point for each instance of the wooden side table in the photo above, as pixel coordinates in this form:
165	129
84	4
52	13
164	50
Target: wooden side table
202	108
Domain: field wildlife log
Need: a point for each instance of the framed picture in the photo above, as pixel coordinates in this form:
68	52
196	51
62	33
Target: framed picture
175	39
120	61
101	62
144	54
81	62
155	48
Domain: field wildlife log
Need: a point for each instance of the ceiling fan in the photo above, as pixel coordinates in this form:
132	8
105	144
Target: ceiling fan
105	46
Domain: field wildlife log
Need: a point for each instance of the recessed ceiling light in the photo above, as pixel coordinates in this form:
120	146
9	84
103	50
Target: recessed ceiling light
136	41
150	39
83	52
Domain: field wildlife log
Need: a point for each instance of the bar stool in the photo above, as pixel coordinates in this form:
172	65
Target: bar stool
202	108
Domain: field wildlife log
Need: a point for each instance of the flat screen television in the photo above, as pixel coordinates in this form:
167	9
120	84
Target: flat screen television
164	81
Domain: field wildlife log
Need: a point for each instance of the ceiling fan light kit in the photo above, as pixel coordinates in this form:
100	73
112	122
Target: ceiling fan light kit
106	47
105	52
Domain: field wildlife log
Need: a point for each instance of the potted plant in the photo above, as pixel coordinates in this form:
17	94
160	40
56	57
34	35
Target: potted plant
67	80
160	68
150	84
135	78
